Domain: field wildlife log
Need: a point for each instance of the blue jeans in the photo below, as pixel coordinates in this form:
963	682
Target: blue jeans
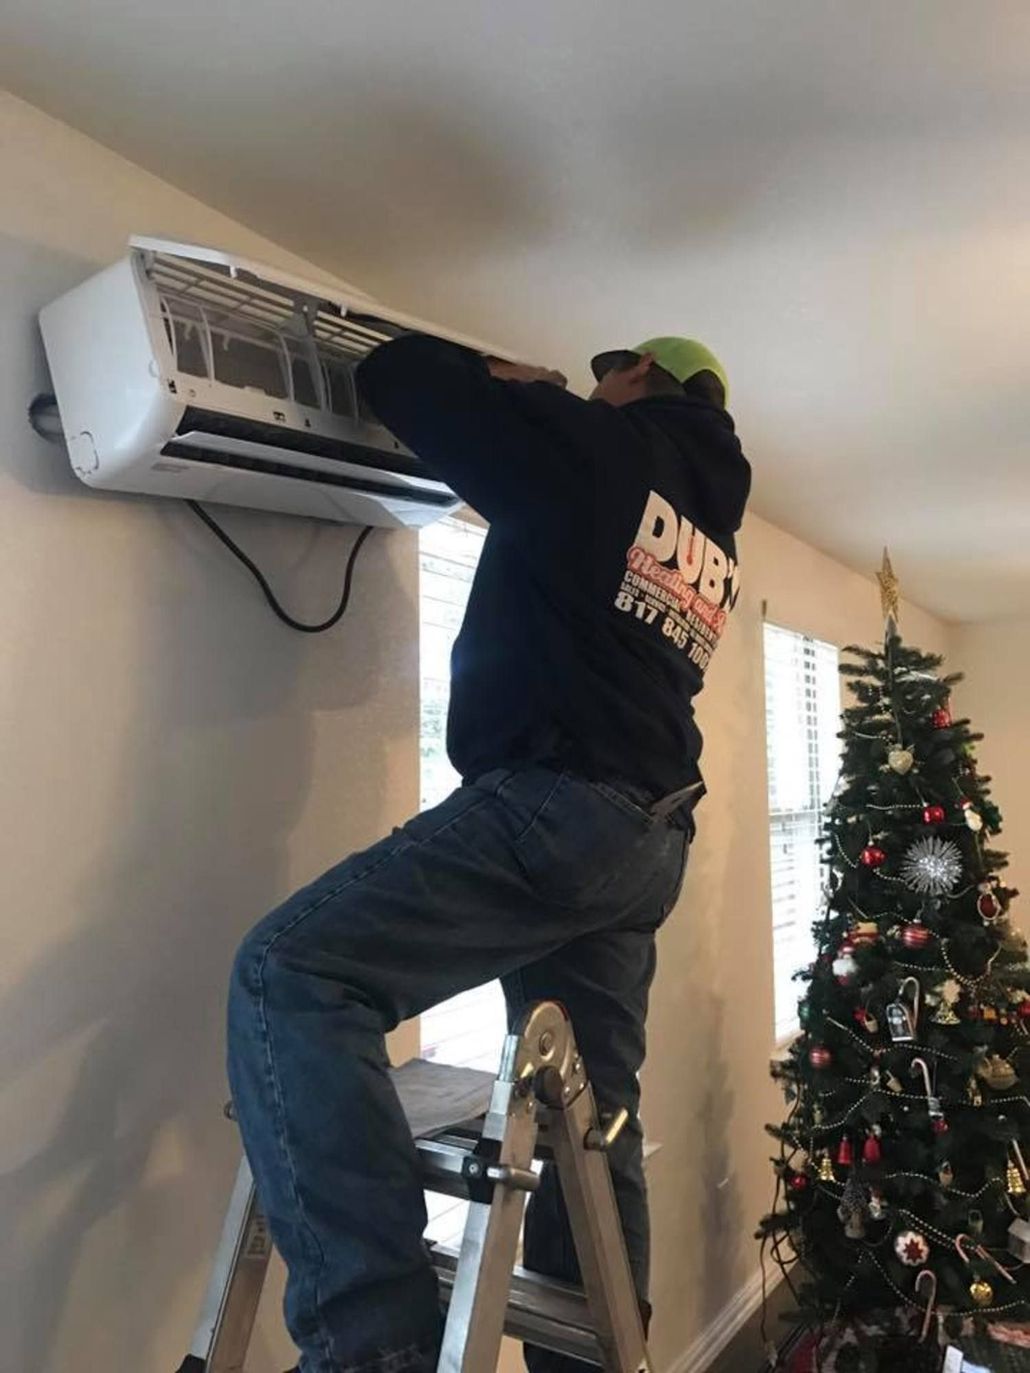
553	884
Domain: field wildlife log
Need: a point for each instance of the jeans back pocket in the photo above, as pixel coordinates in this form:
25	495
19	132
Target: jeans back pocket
572	839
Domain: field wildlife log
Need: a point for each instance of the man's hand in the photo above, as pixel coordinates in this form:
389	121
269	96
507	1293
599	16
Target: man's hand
520	371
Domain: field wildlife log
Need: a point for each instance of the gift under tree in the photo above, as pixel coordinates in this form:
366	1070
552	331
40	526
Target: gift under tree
901	1181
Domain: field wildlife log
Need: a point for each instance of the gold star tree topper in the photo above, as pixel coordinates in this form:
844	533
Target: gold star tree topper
889	589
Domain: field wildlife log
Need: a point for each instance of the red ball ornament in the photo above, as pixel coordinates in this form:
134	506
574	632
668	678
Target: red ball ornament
819	1056
798	1182
941	718
845	1154
872	857
940	1126
934	815
915	936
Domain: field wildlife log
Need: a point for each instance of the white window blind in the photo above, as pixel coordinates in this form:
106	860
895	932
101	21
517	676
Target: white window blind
468	1029
802	703
448	556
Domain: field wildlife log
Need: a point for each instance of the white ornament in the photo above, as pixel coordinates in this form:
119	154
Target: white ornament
949	991
974	820
946	993
900	760
911	1248
844	967
932	866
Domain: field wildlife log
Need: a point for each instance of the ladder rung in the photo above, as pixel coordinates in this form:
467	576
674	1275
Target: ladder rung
543	1311
442	1157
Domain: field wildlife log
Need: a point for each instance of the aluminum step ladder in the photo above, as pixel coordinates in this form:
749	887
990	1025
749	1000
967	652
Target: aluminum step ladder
540	1107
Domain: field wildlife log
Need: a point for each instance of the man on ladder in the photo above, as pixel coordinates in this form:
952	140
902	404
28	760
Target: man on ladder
604	585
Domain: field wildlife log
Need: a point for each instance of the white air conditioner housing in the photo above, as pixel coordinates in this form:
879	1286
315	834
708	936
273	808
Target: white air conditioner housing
184	371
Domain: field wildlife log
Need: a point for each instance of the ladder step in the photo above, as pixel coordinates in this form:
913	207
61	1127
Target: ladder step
435	1095
543	1311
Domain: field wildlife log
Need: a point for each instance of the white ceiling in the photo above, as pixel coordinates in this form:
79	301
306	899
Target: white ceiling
835	195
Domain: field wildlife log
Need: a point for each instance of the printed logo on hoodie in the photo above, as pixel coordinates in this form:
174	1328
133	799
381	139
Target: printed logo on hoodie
679	581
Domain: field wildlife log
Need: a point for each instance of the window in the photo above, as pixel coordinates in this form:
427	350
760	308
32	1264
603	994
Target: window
802	706
448	554
469	1029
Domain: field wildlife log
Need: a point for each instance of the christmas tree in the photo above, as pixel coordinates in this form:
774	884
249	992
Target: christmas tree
901	1181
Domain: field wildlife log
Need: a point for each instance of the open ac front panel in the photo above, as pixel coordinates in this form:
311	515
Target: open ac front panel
187	372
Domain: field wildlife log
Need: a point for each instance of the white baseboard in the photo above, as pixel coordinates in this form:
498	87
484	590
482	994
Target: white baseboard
703	1351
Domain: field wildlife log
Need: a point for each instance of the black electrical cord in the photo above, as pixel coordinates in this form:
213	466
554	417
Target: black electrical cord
262	581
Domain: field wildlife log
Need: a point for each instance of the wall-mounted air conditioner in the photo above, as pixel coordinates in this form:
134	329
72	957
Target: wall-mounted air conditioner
184	371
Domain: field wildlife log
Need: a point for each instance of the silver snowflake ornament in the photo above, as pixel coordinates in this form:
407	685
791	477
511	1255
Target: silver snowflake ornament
932	866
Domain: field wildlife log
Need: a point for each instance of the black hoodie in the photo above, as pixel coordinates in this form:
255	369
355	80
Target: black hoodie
607	574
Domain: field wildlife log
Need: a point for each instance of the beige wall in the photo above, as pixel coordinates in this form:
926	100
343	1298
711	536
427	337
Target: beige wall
707	1094
995	658
174	761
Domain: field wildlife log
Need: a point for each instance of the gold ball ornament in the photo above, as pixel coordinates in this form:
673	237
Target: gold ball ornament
981	1291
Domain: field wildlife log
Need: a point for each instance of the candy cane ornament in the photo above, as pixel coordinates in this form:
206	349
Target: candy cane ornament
980	1289
931	1300
934	1109
903	1021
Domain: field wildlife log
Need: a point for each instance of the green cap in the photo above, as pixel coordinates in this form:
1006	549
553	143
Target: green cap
682	358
